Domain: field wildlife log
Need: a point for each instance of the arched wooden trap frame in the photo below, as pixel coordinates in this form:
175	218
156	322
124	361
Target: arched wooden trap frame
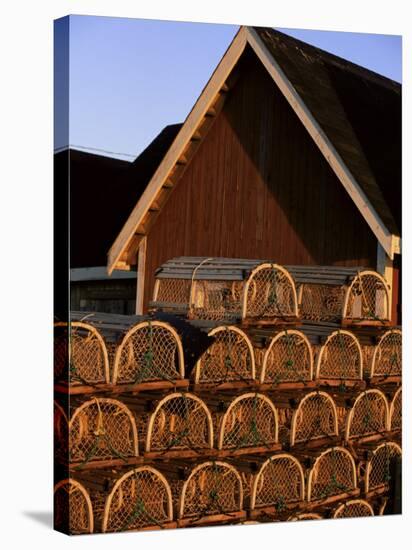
226	289
150	351
212	493
140	499
228	362
181	425
73	510
102	432
395	412
368	418
339	360
250	424
315	420
305	516
332	477
80	354
278	486
387	358
288	361
356	508
378	473
367	299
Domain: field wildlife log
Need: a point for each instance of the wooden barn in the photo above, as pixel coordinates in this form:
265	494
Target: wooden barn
290	154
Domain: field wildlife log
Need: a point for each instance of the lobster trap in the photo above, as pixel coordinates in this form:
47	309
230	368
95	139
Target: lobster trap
314	421
73	510
386	363
278	486
224	289
140	499
339	294
212	493
149	351
356	508
395	412
379	471
181	425
80	354
250	424
288	361
228	362
332	477
368	418
102	432
339	361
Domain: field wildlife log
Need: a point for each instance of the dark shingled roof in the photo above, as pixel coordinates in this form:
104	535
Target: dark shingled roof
359	111
103	191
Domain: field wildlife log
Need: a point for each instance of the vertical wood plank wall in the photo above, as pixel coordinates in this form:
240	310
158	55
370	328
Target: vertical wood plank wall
259	188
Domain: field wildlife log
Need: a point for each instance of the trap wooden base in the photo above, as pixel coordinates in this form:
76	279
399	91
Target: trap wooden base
277	322
317	443
365	323
221	453
115	389
165	525
180	453
216	386
273	511
333	498
213	519
371	438
382	380
334	383
272	386
110	463
379	491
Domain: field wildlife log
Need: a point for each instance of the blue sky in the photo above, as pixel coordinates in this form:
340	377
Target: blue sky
130	77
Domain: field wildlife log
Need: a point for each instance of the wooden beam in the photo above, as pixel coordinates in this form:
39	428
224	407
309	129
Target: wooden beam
141	268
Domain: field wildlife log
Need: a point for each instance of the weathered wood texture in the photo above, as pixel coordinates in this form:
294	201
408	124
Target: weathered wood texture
258	187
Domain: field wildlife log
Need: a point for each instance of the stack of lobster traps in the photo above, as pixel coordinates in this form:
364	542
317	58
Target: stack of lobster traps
251	392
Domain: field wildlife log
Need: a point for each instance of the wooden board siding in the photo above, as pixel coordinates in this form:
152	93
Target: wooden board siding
258	187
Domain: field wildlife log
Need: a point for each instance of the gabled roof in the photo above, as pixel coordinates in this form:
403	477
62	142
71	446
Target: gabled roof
351	113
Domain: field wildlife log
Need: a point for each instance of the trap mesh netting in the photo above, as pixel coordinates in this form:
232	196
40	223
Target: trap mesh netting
333	473
315	417
369	415
173	291
387	357
321	302
73	512
379	466
211	488
229	358
151	350
180	421
288	359
367	298
80	354
395	413
102	429
140	498
279	483
251	420
356	508
340	357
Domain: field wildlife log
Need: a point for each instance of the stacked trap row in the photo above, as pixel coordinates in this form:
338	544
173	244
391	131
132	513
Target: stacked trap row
262	292
281	487
121	352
